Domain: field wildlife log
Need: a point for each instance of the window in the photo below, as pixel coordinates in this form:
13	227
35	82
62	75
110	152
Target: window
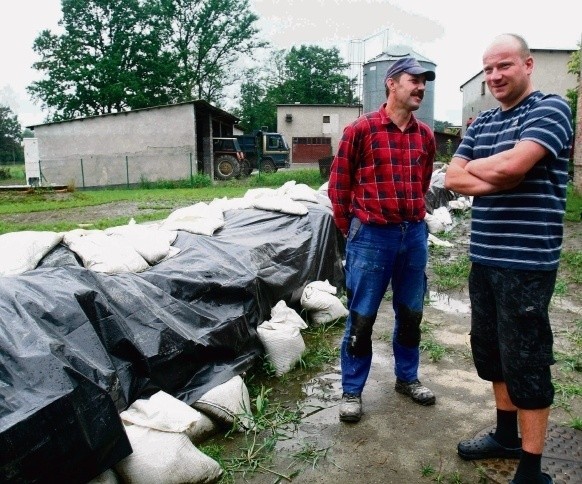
482	88
326	120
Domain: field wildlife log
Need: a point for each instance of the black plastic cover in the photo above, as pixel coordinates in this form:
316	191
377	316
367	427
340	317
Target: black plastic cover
77	347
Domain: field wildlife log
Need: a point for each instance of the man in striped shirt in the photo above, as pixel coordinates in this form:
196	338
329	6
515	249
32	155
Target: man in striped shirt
514	160
377	185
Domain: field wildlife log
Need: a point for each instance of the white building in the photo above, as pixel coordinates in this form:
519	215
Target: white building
314	130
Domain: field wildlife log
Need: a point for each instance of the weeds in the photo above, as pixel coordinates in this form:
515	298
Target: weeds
268	421
573	204
320	350
428	343
450	275
310	454
575	423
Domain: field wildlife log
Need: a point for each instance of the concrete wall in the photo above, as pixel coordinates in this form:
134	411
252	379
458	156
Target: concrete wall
123	148
305	120
550	75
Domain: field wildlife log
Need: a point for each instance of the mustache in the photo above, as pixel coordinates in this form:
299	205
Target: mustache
420	94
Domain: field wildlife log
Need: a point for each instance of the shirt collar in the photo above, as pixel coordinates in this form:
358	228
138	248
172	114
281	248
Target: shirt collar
385	119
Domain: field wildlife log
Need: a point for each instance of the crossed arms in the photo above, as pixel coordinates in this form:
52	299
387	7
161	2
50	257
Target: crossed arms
498	172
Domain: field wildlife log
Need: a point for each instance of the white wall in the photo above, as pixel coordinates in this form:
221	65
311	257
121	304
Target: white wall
152	144
307	121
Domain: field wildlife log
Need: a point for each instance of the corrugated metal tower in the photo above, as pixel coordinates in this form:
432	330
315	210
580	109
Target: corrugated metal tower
374	70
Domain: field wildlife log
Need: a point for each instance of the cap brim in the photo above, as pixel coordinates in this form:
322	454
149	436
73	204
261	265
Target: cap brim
430	75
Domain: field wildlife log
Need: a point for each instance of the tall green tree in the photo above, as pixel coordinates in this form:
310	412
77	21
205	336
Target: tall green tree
115	56
208	37
259	93
110	58
308	75
315	75
10	136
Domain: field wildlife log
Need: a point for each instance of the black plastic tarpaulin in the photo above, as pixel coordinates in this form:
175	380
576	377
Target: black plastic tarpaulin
77	346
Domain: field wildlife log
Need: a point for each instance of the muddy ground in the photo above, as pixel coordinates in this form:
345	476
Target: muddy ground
398	441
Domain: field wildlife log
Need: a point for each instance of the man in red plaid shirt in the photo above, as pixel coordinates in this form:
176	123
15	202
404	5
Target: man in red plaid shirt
377	185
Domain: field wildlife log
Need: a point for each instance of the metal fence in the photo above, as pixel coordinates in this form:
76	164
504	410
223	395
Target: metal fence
108	170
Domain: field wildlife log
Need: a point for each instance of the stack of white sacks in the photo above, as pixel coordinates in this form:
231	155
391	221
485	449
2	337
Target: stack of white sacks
135	248
163	432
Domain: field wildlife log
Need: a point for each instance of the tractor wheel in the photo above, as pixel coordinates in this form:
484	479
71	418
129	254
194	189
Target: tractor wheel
245	169
226	167
268	166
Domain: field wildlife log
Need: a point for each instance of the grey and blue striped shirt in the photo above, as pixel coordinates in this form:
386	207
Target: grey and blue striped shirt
522	228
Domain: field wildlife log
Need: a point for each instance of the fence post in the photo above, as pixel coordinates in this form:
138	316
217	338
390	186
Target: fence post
82	174
191	172
127	169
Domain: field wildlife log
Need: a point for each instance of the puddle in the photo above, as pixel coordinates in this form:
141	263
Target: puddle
443	302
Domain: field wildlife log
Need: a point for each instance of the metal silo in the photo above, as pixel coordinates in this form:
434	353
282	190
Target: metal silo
374	70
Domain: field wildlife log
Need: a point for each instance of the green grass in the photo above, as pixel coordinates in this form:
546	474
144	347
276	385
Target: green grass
320	342
450	274
573	205
160	196
12	174
430	345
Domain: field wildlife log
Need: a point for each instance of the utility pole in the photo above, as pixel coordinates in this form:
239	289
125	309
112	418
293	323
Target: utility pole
578	133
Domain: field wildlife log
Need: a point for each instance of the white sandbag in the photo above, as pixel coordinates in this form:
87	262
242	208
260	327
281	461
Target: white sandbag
321	286
205	427
433	240
162	412
281	313
227	404
101	253
460	203
319	299
107	477
254	193
165	458
22	251
225	204
278	203
200	218
434	224
298	191
149	242
443	214
439	221
283	344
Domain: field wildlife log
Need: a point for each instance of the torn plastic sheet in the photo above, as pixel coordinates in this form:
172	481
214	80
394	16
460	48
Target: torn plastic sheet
77	347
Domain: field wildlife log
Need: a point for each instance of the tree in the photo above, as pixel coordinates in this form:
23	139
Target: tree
115	56
10	136
208	37
259	93
110	58
314	75
308	75
572	94
441	126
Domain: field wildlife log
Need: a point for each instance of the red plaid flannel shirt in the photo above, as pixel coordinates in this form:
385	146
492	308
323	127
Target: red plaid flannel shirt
381	174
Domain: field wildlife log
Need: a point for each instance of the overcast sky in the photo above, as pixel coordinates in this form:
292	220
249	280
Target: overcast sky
451	33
